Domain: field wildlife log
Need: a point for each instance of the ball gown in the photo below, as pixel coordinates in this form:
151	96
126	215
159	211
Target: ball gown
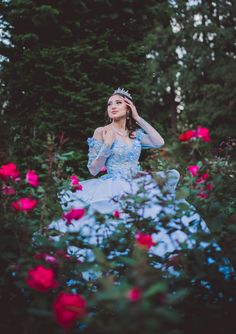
124	176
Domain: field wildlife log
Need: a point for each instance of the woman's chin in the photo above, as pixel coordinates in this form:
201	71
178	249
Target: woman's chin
117	117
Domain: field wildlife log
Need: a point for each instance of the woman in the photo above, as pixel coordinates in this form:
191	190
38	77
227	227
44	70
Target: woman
117	146
124	118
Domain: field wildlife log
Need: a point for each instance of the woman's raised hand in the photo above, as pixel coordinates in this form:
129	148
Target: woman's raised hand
134	112
108	135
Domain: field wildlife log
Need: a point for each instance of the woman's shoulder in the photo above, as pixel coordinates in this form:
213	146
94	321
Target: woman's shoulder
98	133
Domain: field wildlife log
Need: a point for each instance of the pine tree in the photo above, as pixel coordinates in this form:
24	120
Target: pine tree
207	77
63	60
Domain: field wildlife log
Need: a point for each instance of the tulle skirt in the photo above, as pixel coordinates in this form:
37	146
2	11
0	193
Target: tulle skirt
107	195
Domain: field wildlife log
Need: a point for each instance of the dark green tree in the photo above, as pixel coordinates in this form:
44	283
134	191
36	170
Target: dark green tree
61	62
207	80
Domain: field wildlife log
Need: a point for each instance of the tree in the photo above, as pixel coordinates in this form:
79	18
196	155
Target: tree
61	63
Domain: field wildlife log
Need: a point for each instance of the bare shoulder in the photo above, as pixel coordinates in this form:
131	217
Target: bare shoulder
98	133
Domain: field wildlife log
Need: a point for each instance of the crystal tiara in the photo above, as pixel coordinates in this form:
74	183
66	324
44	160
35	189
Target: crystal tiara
124	92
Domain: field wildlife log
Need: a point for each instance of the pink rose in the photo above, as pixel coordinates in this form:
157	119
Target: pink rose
41	279
134	294
203	133
73	214
9	170
32	178
75	183
68	307
116	214
46	257
144	240
103	169
24	204
6	190
193	169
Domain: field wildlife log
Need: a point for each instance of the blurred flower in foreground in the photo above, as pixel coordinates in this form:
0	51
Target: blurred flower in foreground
134	294
9	170
103	169
32	178
74	183
68	307
186	136
144	240
116	214
193	169
201	132
73	214
41	279
24	204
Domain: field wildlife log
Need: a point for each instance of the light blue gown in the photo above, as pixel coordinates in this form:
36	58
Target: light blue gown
104	195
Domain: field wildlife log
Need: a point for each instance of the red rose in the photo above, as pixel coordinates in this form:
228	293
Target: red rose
75	183
134	294
32	178
24	204
68	307
9	170
41	279
103	169
186	136
116	214
203	133
193	169
144	240
73	214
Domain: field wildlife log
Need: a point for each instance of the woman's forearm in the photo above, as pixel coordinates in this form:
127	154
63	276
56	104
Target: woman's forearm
154	136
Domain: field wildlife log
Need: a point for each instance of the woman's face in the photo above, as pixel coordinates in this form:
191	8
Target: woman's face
116	107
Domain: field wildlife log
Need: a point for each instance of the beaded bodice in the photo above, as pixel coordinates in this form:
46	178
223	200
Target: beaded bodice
122	159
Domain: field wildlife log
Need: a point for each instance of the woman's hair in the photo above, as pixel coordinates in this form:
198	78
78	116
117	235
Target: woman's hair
131	124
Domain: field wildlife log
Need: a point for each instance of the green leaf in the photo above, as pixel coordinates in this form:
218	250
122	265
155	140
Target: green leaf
160	287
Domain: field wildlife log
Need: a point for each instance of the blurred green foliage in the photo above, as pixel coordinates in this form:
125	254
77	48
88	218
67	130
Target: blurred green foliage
60	61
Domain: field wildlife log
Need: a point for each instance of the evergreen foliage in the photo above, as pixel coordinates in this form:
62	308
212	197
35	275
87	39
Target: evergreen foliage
62	60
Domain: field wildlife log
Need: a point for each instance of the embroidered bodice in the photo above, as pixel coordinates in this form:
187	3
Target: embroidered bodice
121	159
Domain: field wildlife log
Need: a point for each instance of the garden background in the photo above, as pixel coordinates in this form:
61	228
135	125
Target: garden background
60	61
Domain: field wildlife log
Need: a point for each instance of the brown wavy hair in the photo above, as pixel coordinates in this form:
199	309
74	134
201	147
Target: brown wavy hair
131	124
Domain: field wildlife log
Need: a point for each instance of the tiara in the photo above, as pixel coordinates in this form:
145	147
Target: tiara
124	92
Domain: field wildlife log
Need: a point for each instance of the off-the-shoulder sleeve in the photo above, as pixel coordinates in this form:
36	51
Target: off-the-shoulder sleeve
145	140
97	155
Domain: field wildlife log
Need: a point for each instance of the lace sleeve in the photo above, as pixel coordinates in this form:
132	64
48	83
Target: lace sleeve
97	156
145	140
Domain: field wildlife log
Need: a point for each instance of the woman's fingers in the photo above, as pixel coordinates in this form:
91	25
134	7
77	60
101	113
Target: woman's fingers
127	101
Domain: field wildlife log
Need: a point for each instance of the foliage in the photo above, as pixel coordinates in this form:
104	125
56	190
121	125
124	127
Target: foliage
126	285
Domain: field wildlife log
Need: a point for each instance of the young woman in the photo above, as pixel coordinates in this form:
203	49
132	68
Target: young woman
117	147
125	125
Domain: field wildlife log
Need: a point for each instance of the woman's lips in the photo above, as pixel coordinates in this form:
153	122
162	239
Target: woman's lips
114	111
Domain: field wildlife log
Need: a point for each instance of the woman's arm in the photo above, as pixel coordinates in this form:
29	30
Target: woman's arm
99	151
152	137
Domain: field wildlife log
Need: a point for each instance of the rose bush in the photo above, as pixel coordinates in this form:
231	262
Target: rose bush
59	282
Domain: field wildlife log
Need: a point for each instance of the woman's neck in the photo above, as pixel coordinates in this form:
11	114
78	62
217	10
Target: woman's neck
119	124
